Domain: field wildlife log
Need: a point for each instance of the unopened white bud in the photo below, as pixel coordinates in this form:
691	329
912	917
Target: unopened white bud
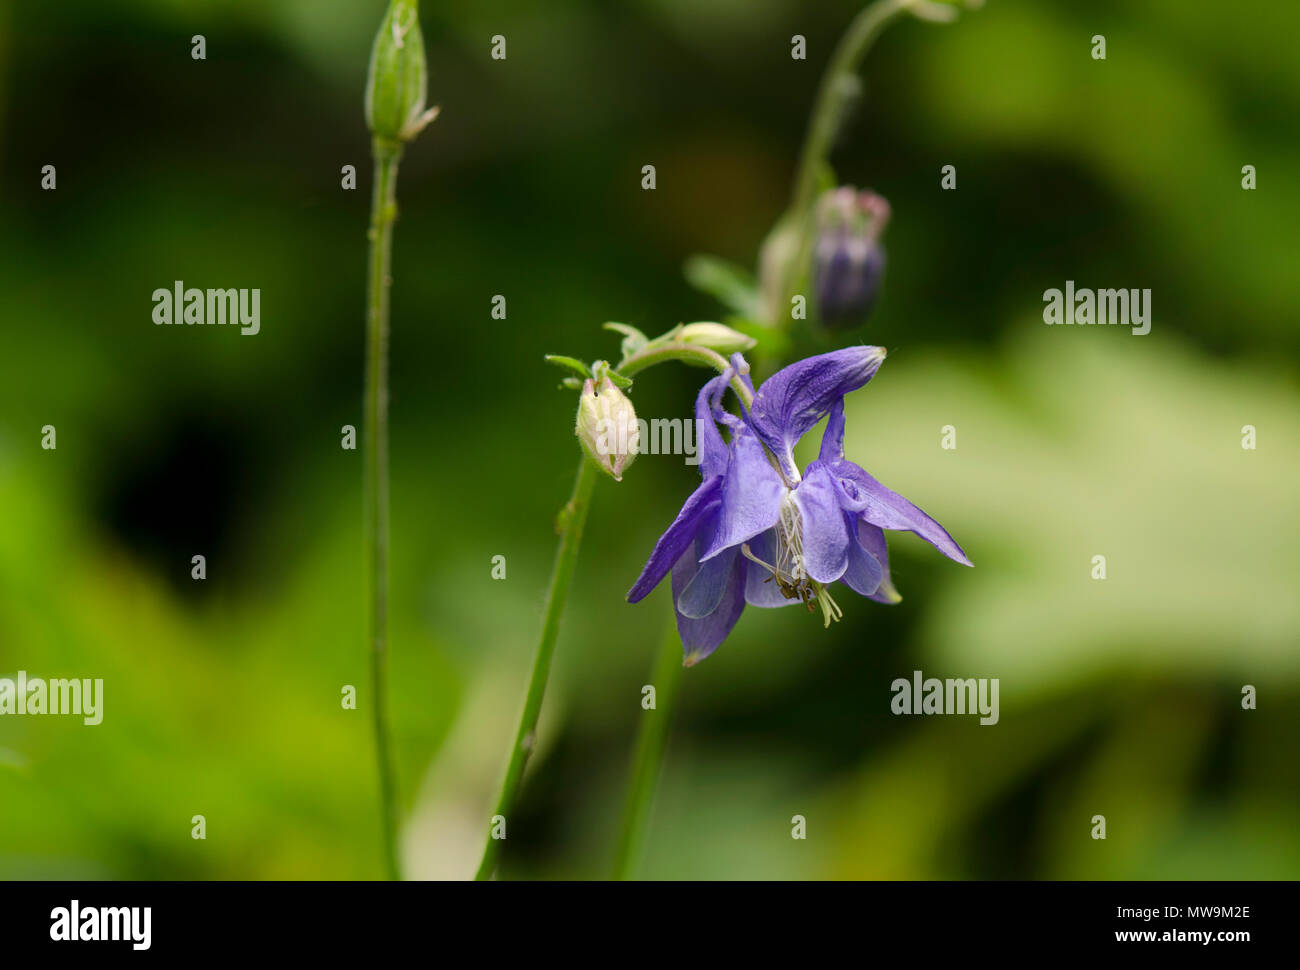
606	427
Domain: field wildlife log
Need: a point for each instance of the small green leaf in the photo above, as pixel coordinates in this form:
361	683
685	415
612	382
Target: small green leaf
633	339
570	362
727	283
626	329
619	381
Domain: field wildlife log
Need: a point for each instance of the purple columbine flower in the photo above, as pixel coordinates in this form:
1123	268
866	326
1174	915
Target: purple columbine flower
757	531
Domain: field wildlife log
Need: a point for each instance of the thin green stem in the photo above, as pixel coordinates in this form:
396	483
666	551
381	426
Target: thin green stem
572	520
383	212
648	760
838	86
686	352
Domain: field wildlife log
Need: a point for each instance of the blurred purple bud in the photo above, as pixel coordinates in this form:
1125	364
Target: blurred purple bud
848	261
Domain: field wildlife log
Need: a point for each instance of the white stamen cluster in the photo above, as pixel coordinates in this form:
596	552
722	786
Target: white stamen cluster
789	544
791	578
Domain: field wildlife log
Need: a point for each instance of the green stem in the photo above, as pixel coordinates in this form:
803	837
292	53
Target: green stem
653	737
383	211
838	85
572	520
651	742
653	354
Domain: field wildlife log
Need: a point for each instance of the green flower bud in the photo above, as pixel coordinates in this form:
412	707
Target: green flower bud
715	336
607	427
397	84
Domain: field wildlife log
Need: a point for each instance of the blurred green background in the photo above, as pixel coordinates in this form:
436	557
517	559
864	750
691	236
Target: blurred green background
1119	697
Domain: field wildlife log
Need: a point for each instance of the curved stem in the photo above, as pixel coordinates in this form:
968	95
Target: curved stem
837	86
383	212
648	761
828	109
572	520
689	353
